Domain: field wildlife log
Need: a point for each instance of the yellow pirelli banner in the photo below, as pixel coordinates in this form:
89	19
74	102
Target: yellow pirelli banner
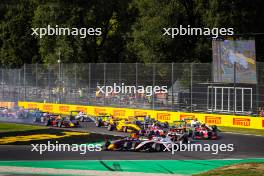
7	104
163	116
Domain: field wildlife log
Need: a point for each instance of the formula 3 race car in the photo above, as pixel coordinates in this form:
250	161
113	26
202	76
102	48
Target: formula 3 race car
125	125
154	144
205	132
30	113
40	116
104	120
7	113
182	125
126	144
58	121
81	116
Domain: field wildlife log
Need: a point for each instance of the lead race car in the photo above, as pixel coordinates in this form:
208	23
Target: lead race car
153	144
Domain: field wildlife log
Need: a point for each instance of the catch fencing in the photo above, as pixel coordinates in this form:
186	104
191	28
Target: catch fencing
190	87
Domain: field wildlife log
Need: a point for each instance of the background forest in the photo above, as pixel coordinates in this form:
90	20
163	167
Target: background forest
131	29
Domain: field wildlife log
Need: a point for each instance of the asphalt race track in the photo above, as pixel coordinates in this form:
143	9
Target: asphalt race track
245	146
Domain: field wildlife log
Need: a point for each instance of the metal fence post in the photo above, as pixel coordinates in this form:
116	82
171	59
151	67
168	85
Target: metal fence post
11	85
120	83
172	86
136	98
3	91
89	84
191	87
153	94
19	84
36	69
25	91
49	82
104	84
75	81
257	92
234	92
59	76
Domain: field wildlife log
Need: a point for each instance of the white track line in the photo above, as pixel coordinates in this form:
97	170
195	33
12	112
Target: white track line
30	170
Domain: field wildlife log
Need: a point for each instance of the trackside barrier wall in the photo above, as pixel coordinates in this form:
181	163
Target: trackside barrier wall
211	119
7	104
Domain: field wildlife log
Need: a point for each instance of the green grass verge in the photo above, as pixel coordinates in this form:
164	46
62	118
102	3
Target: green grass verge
242	130
9	127
182	167
247	169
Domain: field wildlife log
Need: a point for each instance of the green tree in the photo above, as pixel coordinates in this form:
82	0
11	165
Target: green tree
17	46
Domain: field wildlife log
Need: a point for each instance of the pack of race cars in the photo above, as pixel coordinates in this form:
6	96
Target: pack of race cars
151	135
41	117
146	133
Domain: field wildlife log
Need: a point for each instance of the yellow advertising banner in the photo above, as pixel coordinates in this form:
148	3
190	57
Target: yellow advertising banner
163	116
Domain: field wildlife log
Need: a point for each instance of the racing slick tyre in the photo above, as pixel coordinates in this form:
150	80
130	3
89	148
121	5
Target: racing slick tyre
98	124
110	127
157	147
193	136
185	139
190	133
59	124
124	129
47	122
127	146
166	125
105	146
214	128
133	145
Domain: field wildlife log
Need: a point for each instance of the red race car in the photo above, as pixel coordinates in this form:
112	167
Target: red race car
205	132
58	121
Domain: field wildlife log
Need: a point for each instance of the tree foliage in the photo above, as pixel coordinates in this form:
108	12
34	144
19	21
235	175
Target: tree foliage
131	30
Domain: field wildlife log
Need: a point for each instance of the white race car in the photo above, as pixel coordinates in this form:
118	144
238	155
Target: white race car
159	144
